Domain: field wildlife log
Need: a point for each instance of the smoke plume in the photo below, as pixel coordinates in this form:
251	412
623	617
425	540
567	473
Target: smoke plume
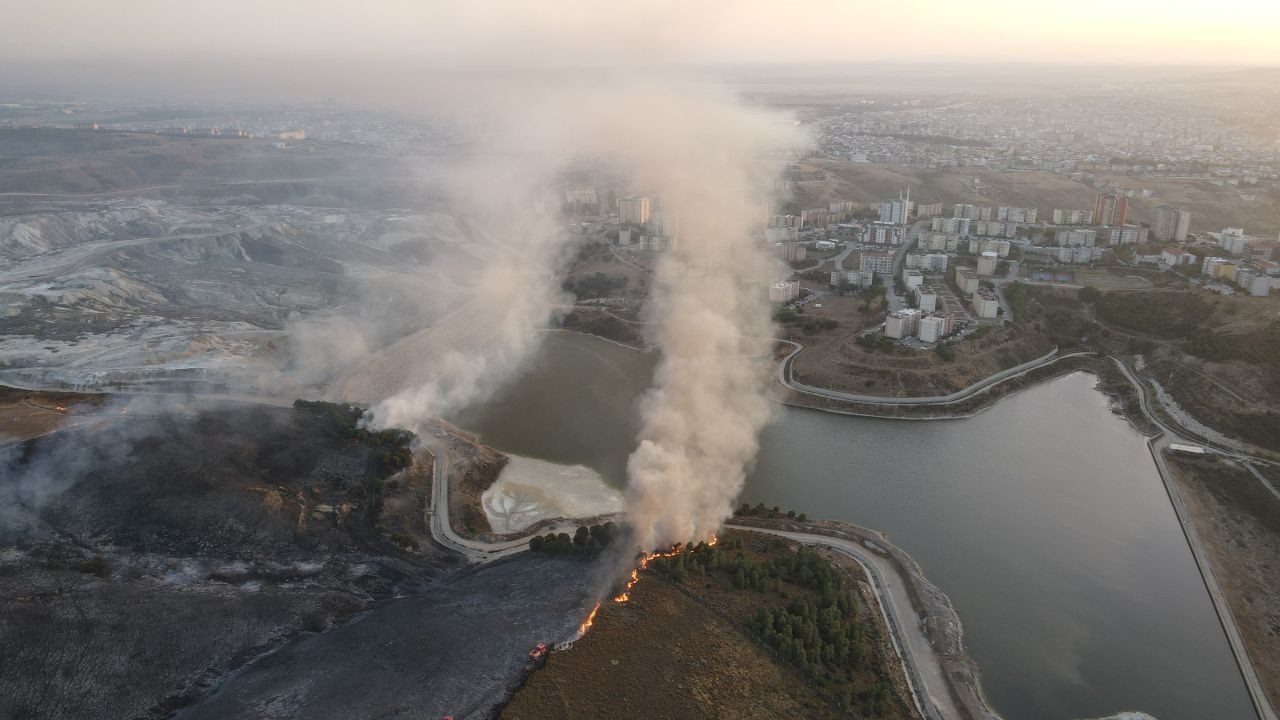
710	163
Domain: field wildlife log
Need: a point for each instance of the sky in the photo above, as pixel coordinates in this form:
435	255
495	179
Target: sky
521	32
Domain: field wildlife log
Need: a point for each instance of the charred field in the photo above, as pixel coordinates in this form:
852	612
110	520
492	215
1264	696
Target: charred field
165	554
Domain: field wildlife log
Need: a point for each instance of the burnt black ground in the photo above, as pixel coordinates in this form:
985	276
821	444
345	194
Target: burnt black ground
453	650
222	560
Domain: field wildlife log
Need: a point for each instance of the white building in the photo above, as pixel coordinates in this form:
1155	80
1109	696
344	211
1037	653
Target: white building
784	292
1233	240
955	225
824	245
885	233
926	298
932	241
791	251
1024	215
987	263
934	327
1174	256
633	209
895	211
993	228
856	278
971	212
903	323
781	234
912	279
1254	281
877	261
999	247
933	263
1171	224
1076	238
967	280
1072	217
1126	235
985	304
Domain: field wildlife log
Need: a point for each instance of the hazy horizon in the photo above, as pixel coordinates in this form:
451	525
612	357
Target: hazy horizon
1084	32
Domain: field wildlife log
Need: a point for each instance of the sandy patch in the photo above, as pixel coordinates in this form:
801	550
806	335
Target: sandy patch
531	490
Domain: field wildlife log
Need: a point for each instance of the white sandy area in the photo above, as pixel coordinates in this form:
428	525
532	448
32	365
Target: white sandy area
530	490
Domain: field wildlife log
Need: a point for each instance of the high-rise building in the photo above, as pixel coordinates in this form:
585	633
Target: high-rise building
1072	217
783	291
1023	215
1110	209
935	326
987	263
895	211
879	261
971	212
633	209
1083	237
903	323
1233	240
1171	224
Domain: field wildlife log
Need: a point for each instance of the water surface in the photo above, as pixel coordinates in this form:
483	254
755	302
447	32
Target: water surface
1043	519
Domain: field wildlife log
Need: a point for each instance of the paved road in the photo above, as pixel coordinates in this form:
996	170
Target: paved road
785	377
844	255
1011	276
926	676
1157	444
441	529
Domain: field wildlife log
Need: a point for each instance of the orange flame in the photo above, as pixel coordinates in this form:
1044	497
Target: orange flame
586	624
647	558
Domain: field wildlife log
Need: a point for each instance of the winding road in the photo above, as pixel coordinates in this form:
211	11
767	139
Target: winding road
785	377
928	681
931	690
1157	444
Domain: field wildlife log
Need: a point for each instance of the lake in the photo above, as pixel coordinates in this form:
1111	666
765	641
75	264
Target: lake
1043	519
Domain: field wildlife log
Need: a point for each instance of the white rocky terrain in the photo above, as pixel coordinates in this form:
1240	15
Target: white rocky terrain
529	490
145	294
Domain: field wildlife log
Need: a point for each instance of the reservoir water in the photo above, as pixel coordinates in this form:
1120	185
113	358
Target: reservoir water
1043	519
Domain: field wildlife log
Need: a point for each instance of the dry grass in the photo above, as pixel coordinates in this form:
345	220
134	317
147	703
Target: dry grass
835	360
27	414
679	652
1239	521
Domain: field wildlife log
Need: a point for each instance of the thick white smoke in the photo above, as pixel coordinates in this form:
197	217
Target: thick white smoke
490	330
710	162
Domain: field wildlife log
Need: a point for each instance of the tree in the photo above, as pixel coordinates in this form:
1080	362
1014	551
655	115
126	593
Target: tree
1089	294
581	537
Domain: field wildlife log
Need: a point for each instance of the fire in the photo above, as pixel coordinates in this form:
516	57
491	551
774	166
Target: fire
647	558
626	593
586	624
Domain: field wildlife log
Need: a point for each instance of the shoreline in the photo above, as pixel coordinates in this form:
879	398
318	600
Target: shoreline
946	681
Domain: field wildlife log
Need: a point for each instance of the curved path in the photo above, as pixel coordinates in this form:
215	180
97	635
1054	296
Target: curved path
785	376
1157	444
442	531
931	692
930	687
